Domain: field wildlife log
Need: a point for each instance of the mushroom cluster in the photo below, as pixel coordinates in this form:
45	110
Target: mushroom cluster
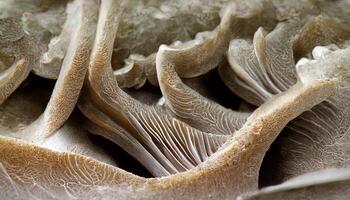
147	99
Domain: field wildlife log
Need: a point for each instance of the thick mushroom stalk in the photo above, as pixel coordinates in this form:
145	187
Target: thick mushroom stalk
21	109
27	103
71	78
235	166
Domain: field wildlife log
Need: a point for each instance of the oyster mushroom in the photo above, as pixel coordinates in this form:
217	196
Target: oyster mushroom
235	166
309	142
196	164
136	118
153	127
261	72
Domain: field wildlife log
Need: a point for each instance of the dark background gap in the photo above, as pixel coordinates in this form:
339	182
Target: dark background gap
212	87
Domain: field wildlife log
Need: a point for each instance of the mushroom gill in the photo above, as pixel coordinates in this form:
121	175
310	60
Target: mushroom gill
289	62
245	150
173	144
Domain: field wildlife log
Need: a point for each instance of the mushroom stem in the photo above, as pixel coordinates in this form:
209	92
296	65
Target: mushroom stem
101	85
67	88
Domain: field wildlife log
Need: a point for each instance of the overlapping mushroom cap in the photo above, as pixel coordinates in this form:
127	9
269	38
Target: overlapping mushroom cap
195	147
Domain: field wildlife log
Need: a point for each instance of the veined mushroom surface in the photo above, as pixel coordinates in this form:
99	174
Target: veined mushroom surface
183	99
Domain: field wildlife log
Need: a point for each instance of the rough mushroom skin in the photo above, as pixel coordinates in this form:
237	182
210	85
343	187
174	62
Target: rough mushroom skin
67	88
321	31
21	124
26	104
198	158
235	166
12	78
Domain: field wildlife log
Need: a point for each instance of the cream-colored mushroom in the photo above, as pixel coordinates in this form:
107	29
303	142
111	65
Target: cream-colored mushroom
235	166
185	140
190	106
15	122
316	139
27	103
41	21
71	78
153	127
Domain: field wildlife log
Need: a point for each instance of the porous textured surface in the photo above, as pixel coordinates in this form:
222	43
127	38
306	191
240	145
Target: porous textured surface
184	99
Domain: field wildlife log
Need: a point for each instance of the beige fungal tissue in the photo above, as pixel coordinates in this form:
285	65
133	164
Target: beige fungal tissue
175	99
